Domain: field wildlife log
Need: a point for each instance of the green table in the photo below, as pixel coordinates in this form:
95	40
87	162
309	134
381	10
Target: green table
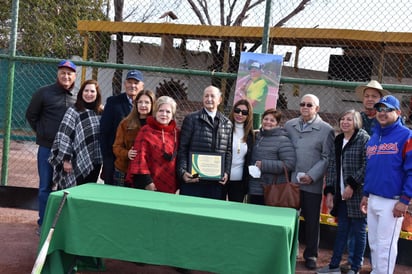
165	229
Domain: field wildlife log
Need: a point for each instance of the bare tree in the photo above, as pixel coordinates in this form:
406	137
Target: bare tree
143	14
283	21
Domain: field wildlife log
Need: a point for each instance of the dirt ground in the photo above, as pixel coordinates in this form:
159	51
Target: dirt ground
19	243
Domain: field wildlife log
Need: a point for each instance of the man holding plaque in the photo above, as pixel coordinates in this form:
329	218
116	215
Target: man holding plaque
205	149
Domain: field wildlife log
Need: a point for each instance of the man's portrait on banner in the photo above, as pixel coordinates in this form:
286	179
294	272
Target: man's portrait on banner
258	80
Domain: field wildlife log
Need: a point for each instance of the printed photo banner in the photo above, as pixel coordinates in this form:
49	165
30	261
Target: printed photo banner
258	80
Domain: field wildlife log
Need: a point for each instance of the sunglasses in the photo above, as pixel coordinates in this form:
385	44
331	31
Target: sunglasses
384	109
243	111
309	105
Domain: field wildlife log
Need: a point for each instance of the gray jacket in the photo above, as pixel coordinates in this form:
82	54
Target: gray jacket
313	146
273	148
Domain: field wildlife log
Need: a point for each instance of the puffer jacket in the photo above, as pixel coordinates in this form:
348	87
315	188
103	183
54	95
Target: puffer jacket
275	150
198	135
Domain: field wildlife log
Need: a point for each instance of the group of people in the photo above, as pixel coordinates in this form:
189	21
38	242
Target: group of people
80	140
369	181
135	142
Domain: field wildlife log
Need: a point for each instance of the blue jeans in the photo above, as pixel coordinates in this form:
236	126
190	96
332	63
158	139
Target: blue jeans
358	228
351	247
45	171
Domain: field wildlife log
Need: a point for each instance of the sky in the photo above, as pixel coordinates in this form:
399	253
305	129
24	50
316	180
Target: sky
373	15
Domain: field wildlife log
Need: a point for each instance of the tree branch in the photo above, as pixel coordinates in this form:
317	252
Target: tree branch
283	21
247	7
298	9
197	12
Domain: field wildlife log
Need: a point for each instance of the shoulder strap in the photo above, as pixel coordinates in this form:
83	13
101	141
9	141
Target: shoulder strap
286	172
285	169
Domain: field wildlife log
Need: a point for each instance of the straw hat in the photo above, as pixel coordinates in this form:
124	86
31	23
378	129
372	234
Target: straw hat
372	84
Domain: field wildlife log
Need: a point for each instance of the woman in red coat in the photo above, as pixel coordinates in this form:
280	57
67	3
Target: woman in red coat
154	167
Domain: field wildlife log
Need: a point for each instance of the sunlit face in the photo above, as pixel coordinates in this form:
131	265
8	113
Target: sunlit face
133	87
269	122
89	93
66	77
144	106
387	118
347	124
211	99
370	97
164	114
238	115
308	109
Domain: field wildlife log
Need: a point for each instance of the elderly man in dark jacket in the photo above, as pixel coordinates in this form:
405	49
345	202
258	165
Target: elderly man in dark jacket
117	107
203	132
44	114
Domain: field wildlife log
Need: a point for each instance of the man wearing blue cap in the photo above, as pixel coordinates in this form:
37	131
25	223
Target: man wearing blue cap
44	114
117	107
388	183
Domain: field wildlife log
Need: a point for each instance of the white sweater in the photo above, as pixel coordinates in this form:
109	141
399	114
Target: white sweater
239	150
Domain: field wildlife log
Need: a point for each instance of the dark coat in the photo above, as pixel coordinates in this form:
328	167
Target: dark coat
275	150
117	107
198	134
46	110
352	161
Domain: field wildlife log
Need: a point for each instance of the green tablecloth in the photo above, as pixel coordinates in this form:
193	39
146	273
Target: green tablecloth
158	228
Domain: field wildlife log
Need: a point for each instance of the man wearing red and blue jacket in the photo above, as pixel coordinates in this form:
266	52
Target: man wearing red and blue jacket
388	183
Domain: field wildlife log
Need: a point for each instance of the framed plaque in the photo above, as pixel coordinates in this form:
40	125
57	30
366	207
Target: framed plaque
207	166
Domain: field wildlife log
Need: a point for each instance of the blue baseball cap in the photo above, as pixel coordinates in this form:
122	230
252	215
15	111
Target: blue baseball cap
389	101
135	74
67	64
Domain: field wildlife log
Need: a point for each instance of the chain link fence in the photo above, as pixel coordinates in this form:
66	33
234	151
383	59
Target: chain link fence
328	48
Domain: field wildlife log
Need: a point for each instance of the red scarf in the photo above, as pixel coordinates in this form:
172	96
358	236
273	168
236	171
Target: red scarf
371	113
156	125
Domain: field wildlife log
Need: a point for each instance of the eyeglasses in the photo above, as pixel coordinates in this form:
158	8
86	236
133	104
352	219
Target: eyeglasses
243	111
384	109
309	105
